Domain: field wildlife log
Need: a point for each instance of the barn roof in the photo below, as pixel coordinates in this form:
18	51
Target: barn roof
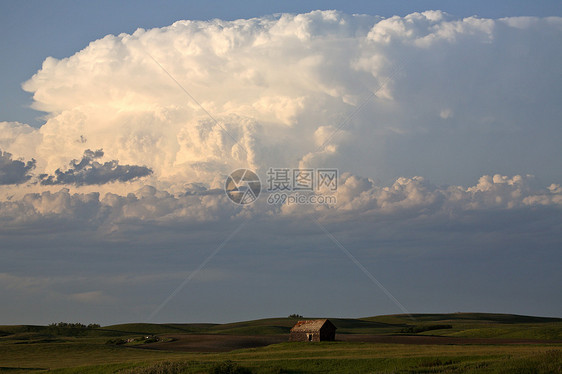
312	325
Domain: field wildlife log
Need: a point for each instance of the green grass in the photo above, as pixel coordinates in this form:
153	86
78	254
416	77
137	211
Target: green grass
340	357
481	325
547	331
40	349
461	317
463	325
257	327
73	353
153	328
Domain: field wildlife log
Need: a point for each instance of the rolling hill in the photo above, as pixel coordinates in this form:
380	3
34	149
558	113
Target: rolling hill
482	325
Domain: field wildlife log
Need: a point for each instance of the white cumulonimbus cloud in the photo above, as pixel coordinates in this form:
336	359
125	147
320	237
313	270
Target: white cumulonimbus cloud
423	94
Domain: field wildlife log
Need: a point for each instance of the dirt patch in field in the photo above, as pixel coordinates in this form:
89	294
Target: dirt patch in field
421	339
225	343
214	343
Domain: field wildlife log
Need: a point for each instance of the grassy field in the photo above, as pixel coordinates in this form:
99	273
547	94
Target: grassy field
483	325
44	349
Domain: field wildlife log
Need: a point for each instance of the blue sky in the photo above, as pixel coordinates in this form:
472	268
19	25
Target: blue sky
441	117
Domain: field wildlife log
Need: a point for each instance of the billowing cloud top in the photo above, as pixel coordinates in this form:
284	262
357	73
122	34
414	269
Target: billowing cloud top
379	99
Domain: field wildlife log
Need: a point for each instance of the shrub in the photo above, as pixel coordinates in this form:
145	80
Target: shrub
416	329
151	339
70	329
116	341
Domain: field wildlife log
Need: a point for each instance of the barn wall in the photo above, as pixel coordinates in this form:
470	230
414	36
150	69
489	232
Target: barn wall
327	334
303	337
297	337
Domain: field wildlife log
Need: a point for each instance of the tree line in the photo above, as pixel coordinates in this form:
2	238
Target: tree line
67	325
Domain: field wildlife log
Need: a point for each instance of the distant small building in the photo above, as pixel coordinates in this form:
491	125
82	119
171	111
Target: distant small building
315	330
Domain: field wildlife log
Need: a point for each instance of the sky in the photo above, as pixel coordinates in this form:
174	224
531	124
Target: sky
121	122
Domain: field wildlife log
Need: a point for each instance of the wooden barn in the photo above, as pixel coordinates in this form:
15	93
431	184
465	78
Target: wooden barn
315	330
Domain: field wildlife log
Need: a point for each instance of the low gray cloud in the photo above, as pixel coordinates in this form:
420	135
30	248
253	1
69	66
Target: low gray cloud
14	171
485	246
407	198
87	171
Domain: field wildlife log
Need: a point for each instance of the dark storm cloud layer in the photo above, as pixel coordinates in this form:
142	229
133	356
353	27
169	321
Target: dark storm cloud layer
87	171
14	171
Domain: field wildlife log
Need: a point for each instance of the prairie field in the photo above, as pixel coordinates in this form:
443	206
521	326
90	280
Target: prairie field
457	343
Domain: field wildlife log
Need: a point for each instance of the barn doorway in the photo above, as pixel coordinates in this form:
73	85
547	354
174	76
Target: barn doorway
309	337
